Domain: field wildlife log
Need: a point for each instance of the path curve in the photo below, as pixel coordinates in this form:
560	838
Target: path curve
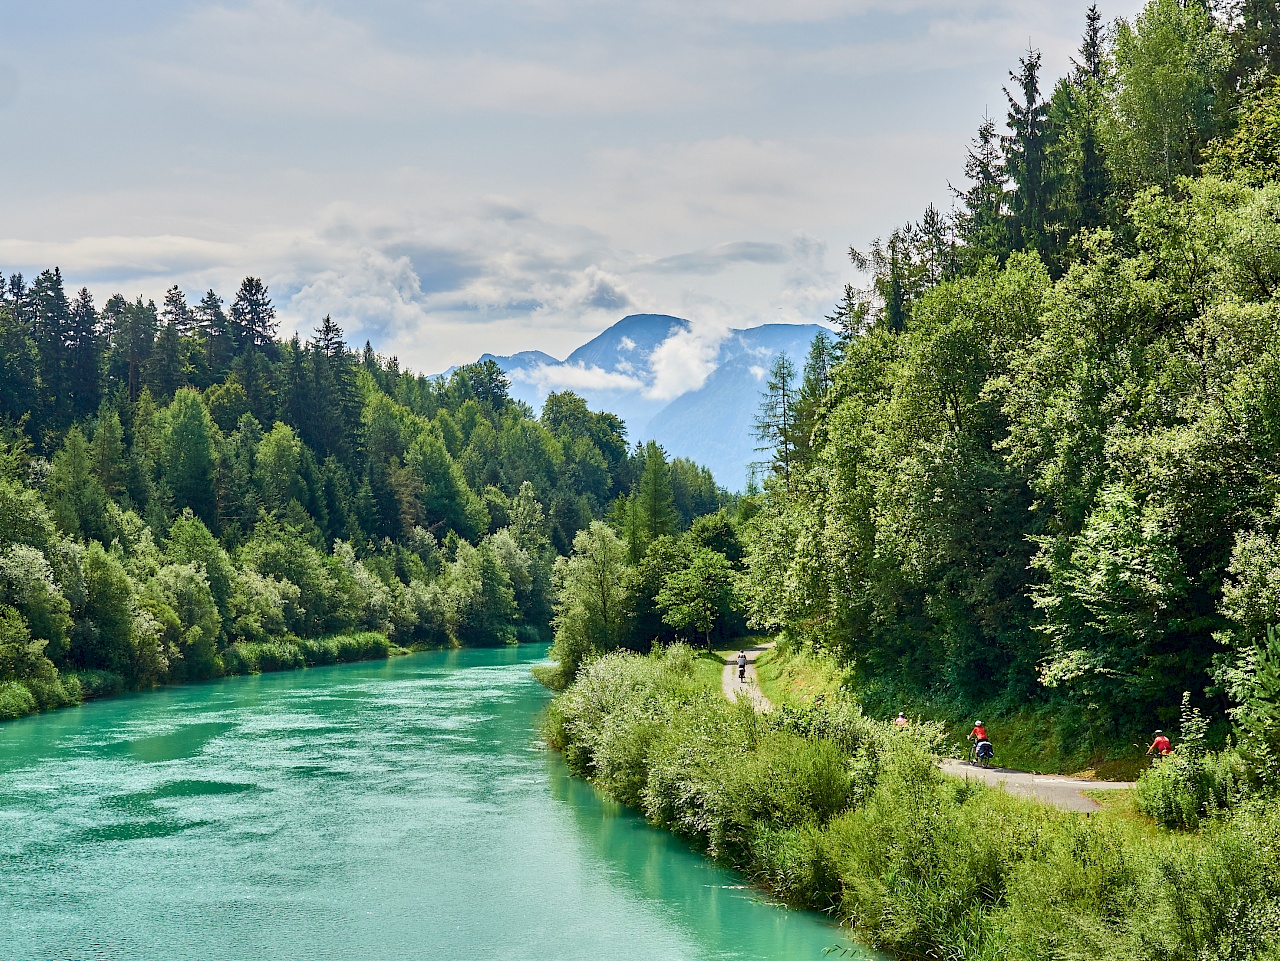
734	689
1062	792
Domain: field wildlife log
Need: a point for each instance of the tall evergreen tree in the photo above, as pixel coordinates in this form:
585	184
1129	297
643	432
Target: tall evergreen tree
253	318
20	371
84	356
1024	156
167	368
982	221
776	423
51	324
214	330
175	311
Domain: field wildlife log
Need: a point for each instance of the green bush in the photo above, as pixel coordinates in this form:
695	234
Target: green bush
15	700
1184	788
255	657
95	684
345	648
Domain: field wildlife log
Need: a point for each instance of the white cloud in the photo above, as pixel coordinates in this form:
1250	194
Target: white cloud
685	360
577	377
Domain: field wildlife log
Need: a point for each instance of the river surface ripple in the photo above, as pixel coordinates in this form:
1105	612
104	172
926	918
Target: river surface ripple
398	809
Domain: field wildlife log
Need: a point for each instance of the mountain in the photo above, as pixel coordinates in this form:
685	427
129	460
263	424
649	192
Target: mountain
709	420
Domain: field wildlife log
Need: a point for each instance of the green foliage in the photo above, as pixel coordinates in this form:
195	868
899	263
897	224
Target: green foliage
830	810
697	596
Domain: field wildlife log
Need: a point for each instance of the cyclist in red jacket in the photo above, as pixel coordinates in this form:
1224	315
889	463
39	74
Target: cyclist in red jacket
1160	746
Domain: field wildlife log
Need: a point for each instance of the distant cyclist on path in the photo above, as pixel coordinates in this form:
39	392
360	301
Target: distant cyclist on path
1161	747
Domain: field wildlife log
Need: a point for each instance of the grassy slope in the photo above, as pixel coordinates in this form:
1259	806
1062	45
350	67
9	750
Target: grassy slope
1026	740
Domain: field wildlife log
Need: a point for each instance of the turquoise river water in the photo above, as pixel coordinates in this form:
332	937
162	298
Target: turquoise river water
397	809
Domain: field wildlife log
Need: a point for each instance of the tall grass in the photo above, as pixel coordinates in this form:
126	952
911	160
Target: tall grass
831	810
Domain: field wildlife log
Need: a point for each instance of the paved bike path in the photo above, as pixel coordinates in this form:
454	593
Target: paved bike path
1063	792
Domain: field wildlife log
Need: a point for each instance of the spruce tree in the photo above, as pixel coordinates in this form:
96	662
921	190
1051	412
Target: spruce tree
1024	156
51	324
983	219
653	507
175	311
214	331
253	318
84	356
166	367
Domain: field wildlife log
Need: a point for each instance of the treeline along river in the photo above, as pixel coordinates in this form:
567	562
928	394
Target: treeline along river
397	809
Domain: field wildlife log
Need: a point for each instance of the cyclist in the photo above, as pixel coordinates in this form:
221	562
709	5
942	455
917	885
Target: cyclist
742	666
978	735
1160	746
901	720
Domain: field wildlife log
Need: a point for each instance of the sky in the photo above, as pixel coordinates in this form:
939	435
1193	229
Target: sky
446	179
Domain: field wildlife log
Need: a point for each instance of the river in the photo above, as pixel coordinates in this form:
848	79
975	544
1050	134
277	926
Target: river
391	809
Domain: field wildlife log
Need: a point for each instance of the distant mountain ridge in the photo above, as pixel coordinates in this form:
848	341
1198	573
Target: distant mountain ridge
615	371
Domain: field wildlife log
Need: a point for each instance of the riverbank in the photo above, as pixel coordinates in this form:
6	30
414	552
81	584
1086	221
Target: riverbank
828	809
284	654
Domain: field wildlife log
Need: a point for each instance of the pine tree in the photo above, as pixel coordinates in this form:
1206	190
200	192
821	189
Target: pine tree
214	331
166	368
107	452
175	311
1024	156
51	323
133	338
813	392
1093	185
653	505
188	455
84	356
253	318
982	222
776	423
20	370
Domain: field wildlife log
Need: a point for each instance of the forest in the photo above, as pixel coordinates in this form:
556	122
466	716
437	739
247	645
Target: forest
1041	463
184	494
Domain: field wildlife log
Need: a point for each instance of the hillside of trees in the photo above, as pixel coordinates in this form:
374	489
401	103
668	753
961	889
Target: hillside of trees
1041	464
183	494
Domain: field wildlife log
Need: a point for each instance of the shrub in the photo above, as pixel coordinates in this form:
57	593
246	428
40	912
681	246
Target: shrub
15	700
1184	788
254	657
94	684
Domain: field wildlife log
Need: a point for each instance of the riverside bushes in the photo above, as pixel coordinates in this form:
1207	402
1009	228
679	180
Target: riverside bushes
285	655
829	809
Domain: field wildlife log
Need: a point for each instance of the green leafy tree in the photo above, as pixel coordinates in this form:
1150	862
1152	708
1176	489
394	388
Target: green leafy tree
697	597
591	598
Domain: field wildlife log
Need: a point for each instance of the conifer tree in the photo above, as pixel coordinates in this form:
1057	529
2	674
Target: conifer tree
214	331
51	323
187	444
253	318
166	367
175	311
107	452
19	374
653	508
982	222
84	356
776	424
1024	156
